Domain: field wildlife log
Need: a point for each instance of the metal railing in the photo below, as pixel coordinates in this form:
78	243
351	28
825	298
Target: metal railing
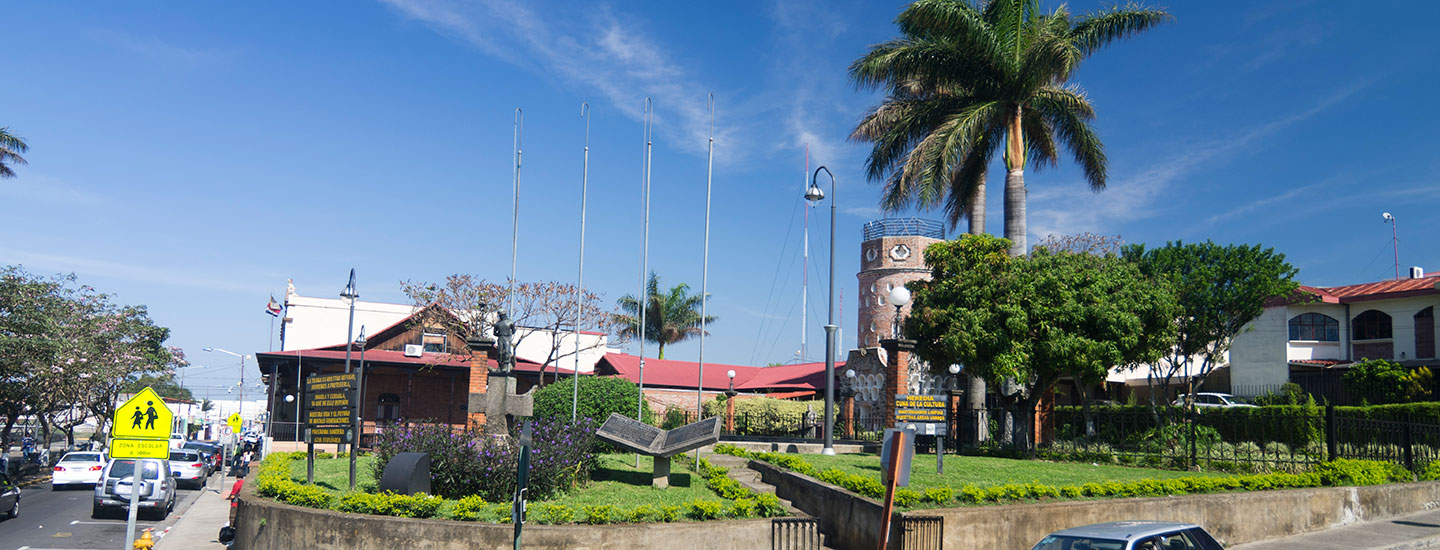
795	534
903	227
922	532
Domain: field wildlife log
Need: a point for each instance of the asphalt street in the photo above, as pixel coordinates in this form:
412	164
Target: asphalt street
60	520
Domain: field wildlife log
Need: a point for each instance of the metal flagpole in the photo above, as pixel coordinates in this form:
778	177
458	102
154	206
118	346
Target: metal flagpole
515	219
644	297
580	278
705	270
805	263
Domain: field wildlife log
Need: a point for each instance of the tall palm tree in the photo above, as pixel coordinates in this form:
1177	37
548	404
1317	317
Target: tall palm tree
669	318
10	148
965	80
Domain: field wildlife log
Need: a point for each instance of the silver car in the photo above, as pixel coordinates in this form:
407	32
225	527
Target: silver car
188	467
1212	399
157	488
1131	535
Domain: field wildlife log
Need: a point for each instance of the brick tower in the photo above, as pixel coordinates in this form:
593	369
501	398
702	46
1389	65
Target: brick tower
891	254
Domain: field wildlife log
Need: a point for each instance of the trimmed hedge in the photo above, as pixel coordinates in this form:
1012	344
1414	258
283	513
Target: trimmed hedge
1340	472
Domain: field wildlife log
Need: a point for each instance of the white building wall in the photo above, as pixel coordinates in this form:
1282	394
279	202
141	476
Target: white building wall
1258	354
320	322
1402	321
1300	350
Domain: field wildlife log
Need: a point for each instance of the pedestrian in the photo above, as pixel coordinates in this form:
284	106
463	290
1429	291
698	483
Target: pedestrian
245	464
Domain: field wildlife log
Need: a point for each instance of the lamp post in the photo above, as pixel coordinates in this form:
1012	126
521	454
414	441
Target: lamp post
900	296
349	293
359	422
847	393
954	405
730	403
1394	240
242	375
815	194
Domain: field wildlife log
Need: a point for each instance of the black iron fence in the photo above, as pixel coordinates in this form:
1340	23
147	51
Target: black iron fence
1239	439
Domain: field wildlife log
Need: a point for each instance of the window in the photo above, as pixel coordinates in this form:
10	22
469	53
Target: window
1425	332
1371	325
387	407
434	341
1315	326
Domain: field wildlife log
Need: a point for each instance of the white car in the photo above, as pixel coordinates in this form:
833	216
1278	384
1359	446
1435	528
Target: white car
188	467
1212	399
177	440
78	468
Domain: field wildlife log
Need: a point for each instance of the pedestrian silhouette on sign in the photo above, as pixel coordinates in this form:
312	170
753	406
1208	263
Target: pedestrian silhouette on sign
150	415
138	416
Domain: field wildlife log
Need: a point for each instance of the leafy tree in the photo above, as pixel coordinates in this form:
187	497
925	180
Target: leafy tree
599	396
1220	289
164	384
1377	381
1035	319
965	80
544	310
671	317
11	146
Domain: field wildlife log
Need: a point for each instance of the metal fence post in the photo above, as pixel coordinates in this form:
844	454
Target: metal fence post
1409	451
1194	417
1330	436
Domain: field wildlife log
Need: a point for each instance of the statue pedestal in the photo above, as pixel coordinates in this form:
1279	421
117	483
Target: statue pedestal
660	476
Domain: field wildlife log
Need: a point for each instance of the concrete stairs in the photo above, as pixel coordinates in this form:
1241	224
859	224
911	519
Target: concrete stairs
741	472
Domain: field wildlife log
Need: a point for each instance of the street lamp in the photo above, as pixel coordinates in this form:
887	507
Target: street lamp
241	385
350	293
898	296
847	394
815	194
730	403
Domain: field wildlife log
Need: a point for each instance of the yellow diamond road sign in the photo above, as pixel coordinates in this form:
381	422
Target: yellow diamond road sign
234	421
144	416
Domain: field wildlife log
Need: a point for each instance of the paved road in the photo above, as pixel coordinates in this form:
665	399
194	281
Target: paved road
56	520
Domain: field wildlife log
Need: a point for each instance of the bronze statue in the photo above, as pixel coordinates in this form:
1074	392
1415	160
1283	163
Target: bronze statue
504	342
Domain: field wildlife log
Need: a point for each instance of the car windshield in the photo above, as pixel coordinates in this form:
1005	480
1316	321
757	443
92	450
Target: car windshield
199	446
181	456
126	468
1061	542
81	457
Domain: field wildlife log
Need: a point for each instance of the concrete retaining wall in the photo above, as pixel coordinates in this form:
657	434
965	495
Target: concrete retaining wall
853	521
269	525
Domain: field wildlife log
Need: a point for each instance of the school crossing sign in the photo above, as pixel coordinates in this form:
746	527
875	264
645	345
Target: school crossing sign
141	427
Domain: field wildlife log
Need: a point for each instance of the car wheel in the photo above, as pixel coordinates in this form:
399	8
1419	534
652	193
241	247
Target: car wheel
97	511
14	510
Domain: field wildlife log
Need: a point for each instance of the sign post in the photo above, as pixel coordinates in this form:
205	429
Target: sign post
140	429
925	415
329	415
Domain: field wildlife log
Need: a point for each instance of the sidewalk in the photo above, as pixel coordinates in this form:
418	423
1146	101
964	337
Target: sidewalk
199	526
1419	530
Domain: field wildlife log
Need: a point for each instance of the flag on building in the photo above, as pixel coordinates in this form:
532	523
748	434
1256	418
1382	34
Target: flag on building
273	308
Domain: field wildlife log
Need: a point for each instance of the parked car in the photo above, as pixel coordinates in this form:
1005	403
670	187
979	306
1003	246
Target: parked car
1212	399
1131	535
209	452
188	467
78	468
177	440
157	487
9	496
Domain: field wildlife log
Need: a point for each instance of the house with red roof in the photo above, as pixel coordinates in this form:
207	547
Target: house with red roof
1325	329
673	384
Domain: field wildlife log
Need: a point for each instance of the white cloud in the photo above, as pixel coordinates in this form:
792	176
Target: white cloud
1073	208
152	274
604	52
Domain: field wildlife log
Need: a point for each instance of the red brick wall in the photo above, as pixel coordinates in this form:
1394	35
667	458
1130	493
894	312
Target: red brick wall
897	374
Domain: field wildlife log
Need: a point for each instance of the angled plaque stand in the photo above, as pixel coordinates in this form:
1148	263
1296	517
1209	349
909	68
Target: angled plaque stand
660	444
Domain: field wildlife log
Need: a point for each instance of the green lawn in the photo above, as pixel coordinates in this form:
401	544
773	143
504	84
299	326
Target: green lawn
986	471
615	481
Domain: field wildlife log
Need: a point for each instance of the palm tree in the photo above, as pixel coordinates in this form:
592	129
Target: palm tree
669	318
10	148
965	79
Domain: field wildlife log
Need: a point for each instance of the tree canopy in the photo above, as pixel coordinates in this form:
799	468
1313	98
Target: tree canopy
670	317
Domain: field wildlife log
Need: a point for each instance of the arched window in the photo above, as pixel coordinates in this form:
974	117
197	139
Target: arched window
387	407
1315	326
1425	333
1371	325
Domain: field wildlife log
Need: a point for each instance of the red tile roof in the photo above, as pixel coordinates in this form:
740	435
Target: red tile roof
683	374
1318	362
394	358
1379	290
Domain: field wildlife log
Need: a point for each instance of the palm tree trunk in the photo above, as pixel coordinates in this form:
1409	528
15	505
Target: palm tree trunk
661	353
977	210
1015	210
975	385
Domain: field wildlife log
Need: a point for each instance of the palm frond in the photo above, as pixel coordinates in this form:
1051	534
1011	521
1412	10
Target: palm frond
1094	31
928	62
1040	147
965	182
954	20
1069	114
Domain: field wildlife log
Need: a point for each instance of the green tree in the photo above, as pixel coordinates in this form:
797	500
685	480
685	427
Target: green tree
671	317
164	384
1037	318
965	80
599	396
1377	381
11	146
1220	289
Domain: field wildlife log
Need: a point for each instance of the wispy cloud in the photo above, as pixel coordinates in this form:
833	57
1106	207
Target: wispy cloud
161	52
1070	209
603	51
148	273
39	189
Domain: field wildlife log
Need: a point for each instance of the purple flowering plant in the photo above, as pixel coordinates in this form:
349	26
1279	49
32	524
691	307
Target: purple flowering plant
466	462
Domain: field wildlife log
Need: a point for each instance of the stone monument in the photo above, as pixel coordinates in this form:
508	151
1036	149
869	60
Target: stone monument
660	444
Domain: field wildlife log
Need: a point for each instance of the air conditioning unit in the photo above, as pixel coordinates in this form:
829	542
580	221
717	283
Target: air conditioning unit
1417	272
414	350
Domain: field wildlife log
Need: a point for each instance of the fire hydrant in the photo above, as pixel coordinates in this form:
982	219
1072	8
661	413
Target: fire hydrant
145	542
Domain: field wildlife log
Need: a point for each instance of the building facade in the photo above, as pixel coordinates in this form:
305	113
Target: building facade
891	254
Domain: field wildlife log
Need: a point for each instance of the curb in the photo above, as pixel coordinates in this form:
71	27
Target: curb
1432	541
33	481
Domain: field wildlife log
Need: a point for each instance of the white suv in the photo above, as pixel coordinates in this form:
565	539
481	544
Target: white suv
1211	399
157	488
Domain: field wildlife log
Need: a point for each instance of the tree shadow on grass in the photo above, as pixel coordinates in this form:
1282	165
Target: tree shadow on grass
631	477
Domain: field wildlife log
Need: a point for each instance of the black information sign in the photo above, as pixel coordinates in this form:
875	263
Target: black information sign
331	382
328	434
925	412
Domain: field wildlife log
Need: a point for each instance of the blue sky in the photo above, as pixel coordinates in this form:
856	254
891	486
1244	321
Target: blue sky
193	157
